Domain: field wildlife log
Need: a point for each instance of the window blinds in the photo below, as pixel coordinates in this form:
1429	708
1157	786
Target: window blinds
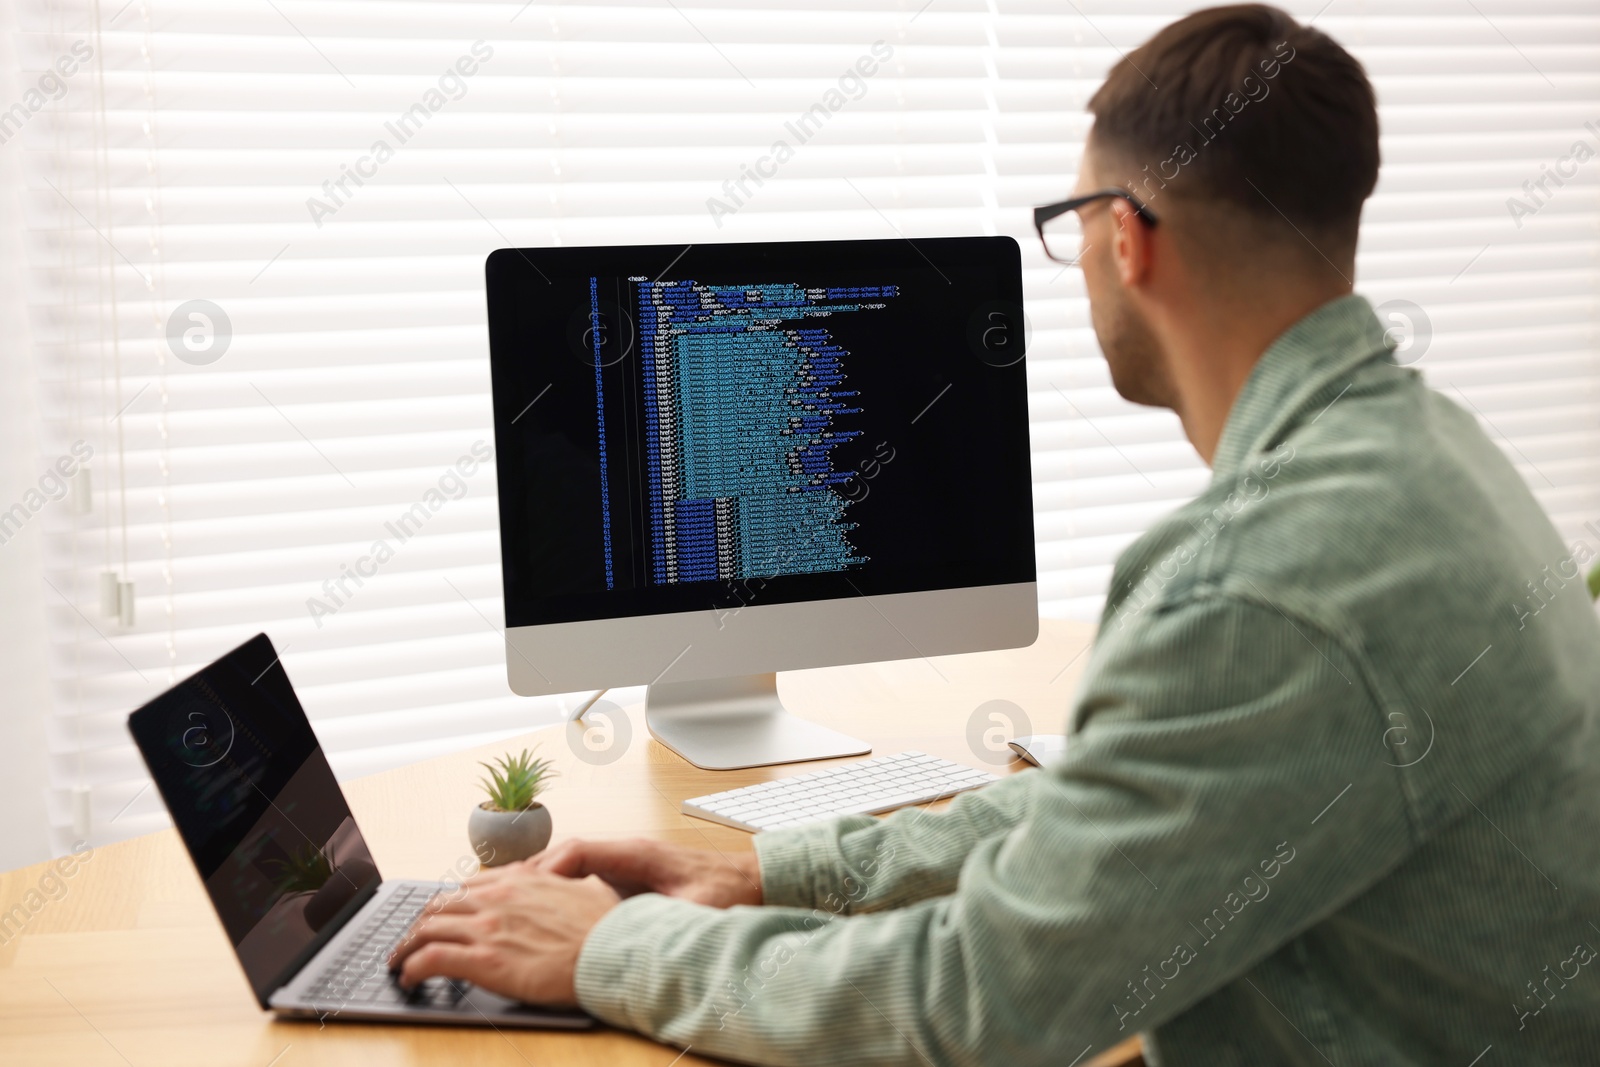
256	233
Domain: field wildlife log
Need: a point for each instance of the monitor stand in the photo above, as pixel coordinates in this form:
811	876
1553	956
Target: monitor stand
724	724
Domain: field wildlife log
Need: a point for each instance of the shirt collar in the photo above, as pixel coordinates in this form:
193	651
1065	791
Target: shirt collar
1295	369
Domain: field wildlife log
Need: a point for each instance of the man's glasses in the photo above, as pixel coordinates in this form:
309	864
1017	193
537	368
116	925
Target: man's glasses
1061	227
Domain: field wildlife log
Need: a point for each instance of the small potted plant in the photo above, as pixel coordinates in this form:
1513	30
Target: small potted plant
511	825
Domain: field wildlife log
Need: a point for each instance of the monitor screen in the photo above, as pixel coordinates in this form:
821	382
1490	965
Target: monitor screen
689	428
258	808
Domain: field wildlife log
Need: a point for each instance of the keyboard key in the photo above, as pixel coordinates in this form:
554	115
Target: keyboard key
359	974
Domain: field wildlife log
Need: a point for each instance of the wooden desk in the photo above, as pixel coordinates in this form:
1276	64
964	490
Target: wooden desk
130	967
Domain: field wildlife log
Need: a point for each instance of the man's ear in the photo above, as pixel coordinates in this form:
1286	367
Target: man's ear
1131	245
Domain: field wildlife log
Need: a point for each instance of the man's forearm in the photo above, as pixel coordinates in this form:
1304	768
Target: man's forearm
863	864
743	983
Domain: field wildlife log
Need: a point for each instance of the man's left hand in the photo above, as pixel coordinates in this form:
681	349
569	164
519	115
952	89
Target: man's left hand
513	930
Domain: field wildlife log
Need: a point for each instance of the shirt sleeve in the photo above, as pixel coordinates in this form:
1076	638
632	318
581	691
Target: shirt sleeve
861	864
1229	788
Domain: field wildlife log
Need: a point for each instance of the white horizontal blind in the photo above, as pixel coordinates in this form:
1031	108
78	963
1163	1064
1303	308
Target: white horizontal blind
187	161
1474	100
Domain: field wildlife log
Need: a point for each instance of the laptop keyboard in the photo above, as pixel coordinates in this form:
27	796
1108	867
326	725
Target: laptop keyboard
359	975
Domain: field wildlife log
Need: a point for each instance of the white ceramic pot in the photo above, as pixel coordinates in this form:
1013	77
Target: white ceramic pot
500	837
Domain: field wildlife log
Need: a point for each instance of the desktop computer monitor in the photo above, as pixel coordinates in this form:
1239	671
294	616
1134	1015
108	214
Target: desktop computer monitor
721	461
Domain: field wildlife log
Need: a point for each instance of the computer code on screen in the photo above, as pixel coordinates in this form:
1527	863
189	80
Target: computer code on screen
747	398
721	425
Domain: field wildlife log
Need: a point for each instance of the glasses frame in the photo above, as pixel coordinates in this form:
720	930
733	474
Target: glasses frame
1042	215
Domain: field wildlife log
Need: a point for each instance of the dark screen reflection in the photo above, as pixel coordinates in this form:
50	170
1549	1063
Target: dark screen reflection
258	807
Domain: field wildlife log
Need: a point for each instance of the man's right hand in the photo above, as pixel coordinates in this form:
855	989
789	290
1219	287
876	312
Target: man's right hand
643	866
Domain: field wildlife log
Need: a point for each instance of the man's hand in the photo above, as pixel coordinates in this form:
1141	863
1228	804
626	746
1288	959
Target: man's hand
514	931
640	866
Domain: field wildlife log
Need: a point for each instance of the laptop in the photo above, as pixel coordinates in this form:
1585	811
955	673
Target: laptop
283	860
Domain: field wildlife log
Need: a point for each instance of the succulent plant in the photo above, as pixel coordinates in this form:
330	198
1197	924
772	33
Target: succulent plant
514	782
1594	582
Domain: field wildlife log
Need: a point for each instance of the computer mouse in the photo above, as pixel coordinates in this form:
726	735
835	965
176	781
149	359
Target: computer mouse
1039	749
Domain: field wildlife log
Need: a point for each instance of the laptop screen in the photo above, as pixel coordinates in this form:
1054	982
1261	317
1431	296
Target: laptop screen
258	808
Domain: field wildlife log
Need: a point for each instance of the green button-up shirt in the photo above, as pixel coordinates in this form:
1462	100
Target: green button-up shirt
1332	794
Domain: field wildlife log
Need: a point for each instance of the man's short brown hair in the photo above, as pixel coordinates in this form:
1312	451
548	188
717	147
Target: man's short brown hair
1244	106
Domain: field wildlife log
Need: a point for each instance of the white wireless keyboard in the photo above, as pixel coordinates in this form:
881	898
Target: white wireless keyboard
864	788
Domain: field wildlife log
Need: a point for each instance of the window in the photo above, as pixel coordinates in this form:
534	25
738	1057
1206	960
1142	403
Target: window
255	235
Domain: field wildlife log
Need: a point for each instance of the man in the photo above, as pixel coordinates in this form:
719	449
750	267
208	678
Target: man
1333	790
